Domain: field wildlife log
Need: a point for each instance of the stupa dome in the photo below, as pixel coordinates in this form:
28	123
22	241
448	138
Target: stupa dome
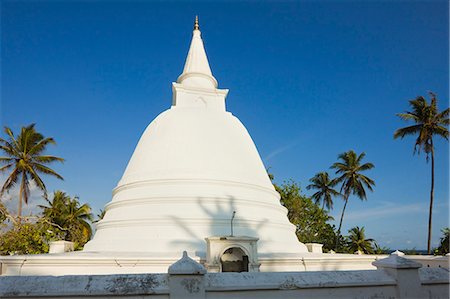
194	166
196	144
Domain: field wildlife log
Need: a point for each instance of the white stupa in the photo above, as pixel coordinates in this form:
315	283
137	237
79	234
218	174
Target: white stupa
194	165
195	183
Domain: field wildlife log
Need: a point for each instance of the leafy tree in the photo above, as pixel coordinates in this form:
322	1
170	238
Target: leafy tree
310	220
3	212
356	241
25	160
24	238
428	122
444	246
349	169
69	219
321	182
380	250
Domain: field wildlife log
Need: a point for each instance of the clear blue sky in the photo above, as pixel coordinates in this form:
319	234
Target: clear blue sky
309	80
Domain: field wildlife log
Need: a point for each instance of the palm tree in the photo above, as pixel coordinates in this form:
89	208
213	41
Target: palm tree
428	122
26	160
444	246
69	216
321	182
353	182
357	242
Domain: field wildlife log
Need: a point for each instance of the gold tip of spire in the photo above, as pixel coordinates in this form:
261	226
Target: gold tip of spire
196	26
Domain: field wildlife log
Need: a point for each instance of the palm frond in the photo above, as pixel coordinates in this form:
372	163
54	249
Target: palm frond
47	159
47	170
6	167
408	116
35	177
11	181
40	146
406	131
9	149
366	166
25	187
441	131
10	133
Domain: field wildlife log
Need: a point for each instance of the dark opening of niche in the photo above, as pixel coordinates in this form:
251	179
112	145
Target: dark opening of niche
234	260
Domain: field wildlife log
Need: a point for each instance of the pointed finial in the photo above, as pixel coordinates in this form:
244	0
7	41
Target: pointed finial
196	26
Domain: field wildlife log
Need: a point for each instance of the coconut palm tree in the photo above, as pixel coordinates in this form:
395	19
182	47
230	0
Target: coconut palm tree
70	217
321	182
444	246
25	159
352	181
428	122
357	242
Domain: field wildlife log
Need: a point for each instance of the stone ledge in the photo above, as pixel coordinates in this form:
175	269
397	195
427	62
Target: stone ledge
83	285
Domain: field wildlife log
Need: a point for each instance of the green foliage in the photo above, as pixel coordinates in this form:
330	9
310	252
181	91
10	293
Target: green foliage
380	250
428	122
68	219
322	182
3	213
356	241
348	169
25	160
443	248
63	218
310	220
24	238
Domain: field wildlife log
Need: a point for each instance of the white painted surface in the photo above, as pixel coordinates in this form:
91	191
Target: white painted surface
82	263
60	246
314	247
193	166
216	247
196	72
186	279
186	265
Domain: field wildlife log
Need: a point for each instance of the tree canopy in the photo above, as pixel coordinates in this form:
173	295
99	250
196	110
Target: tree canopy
69	219
357	242
325	192
428	122
349	168
310	220
25	160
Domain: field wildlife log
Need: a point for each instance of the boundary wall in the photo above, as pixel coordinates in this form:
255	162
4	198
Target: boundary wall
395	277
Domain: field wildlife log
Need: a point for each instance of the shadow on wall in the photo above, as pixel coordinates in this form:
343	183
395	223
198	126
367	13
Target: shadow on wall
219	212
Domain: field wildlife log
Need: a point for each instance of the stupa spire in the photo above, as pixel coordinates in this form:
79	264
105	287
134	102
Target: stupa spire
196	72
196	25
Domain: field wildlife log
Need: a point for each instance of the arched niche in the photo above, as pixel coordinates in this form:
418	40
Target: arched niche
232	254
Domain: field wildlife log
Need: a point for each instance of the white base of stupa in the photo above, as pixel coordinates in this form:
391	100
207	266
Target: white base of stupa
81	263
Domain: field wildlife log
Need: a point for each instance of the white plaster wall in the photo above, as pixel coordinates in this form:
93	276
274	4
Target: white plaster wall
332	284
190	170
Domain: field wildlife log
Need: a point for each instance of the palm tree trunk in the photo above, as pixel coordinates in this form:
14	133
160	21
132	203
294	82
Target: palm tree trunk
338	235
431	200
19	209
